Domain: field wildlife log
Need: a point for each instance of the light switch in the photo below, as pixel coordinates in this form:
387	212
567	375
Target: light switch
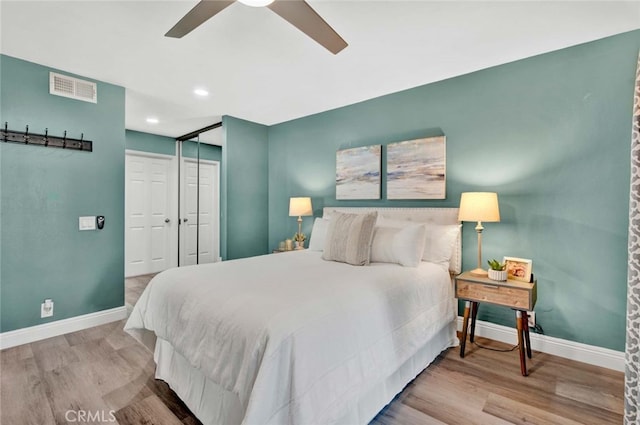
87	223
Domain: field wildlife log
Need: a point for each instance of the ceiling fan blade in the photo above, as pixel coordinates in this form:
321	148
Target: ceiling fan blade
196	16
307	20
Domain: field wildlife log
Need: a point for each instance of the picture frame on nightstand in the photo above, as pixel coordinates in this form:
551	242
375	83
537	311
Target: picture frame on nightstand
518	268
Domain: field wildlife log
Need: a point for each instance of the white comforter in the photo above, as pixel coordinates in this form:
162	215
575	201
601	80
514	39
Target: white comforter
295	337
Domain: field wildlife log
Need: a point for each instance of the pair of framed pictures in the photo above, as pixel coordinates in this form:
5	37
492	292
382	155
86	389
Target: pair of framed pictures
518	268
415	169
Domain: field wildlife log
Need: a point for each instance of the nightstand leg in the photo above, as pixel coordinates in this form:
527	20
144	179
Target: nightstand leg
523	362
525	328
465	326
474	313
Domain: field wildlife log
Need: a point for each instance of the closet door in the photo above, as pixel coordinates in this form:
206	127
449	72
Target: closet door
199	204
149	215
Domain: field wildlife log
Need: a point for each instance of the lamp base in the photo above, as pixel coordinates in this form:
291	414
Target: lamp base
479	272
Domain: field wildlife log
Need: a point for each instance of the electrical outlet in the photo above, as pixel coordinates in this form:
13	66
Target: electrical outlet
46	308
532	318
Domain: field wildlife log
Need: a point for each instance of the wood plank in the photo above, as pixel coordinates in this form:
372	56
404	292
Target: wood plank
69	388
104	366
151	410
592	395
23	397
53	353
15	354
521	413
432	394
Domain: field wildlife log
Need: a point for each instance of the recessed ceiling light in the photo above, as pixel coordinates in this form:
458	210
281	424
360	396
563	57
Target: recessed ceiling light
153	120
201	92
256	3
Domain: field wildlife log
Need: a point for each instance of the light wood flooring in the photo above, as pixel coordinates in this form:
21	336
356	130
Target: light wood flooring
105	372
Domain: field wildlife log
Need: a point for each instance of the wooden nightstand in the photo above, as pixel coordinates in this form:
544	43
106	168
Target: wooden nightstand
520	296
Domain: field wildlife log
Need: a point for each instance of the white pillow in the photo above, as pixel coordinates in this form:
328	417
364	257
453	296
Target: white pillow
403	246
439	243
318	234
349	238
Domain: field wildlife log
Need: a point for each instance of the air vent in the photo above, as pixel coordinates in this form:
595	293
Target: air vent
62	85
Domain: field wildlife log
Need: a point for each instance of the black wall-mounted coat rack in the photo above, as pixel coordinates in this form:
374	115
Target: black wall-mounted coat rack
26	138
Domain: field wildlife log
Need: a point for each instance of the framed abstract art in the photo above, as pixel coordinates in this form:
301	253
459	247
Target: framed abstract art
358	173
416	169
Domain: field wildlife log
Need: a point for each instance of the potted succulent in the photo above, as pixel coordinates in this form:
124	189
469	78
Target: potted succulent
299	239
497	270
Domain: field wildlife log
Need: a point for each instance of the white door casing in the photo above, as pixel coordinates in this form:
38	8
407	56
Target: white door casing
207	234
150	213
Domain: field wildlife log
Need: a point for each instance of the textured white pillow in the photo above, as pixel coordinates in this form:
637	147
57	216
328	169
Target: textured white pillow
349	238
403	246
439	243
318	234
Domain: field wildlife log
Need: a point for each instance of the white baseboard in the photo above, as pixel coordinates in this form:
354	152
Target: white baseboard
590	354
60	327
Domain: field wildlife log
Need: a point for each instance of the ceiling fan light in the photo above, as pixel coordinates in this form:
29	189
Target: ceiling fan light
256	3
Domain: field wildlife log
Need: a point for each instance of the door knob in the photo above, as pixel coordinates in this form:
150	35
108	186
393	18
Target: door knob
166	220
185	220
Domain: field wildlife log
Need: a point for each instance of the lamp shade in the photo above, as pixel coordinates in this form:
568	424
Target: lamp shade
479	206
300	207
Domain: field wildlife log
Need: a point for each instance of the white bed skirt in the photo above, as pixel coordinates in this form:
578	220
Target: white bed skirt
215	406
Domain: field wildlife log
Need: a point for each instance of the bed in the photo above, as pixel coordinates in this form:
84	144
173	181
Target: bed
294	339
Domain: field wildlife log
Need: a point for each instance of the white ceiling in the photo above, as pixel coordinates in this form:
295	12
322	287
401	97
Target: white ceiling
258	67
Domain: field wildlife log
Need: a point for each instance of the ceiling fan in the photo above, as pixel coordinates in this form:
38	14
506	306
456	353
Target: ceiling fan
296	12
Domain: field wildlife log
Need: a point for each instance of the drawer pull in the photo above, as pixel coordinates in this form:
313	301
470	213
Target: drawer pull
490	287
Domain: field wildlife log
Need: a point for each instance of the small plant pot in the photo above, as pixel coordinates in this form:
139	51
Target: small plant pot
299	245
499	275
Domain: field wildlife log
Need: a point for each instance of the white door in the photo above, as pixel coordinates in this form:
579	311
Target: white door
149	214
199	231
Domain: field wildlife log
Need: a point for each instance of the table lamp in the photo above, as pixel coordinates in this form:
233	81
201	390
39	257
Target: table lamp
479	206
298	207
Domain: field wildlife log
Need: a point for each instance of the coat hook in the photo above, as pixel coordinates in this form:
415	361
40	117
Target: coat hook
26	135
64	140
46	137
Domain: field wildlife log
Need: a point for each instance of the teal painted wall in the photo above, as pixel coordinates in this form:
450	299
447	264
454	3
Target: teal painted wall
45	190
147	142
244	189
207	152
550	134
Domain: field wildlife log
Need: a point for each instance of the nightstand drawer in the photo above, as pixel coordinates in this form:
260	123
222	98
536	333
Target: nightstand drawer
496	294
